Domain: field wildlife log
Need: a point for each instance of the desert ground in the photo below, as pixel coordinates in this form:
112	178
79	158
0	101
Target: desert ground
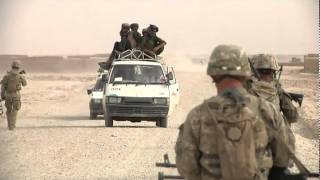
55	139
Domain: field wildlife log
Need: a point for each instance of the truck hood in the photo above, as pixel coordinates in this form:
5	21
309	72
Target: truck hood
141	90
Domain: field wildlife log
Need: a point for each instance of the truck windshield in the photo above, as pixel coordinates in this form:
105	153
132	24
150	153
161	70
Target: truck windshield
137	74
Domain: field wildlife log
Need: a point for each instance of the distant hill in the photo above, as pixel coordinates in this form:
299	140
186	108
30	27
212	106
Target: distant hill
282	58
72	63
288	58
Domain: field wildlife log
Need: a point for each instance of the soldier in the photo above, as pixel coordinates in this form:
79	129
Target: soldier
233	135
134	36
268	87
10	91
151	43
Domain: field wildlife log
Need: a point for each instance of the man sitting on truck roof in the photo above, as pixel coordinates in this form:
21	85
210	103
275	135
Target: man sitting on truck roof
134	36
151	43
121	46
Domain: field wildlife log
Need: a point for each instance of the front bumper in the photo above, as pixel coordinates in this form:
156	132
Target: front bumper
137	110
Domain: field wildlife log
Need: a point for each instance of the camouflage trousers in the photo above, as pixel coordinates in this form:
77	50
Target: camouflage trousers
13	105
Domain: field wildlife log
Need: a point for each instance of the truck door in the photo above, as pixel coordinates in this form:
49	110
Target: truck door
174	91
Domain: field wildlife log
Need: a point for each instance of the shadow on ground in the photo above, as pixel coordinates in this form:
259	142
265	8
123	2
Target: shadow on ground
61	117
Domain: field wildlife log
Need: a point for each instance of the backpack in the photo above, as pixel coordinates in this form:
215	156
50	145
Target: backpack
13	83
238	133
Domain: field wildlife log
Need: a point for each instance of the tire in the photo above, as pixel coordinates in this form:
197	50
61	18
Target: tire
108	122
93	116
158	123
163	122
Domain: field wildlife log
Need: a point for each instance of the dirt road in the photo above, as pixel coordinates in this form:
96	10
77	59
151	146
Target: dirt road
56	140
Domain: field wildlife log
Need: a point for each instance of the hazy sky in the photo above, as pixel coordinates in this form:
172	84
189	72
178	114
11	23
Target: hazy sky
37	27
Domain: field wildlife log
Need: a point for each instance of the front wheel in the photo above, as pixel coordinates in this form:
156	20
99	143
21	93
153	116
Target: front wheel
93	116
108	122
163	122
158	122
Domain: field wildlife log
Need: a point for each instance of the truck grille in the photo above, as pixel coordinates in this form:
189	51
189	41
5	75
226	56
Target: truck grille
139	110
137	100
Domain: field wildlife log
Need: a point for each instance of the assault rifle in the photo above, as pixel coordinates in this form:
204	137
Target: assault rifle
294	96
297	97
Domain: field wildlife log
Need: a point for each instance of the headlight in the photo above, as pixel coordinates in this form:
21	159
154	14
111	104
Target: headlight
160	101
114	100
97	100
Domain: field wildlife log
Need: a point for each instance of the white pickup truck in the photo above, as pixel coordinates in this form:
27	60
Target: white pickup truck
139	88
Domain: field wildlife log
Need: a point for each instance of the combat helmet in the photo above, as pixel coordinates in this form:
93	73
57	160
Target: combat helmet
228	60
15	64
265	61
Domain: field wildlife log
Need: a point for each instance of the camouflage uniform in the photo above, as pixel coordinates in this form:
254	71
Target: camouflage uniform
272	92
284	101
230	136
10	91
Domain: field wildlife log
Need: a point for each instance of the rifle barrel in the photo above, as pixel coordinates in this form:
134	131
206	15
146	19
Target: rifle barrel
166	165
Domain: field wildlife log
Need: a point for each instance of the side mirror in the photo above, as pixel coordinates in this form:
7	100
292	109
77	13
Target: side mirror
170	76
104	77
89	91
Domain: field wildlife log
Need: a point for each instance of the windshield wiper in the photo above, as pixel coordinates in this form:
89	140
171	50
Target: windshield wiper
125	82
157	83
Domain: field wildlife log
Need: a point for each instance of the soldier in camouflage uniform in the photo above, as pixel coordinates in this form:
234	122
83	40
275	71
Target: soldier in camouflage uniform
10	91
270	89
151	43
233	135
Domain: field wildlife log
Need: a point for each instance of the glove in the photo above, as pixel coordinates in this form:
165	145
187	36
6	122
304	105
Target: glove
277	173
